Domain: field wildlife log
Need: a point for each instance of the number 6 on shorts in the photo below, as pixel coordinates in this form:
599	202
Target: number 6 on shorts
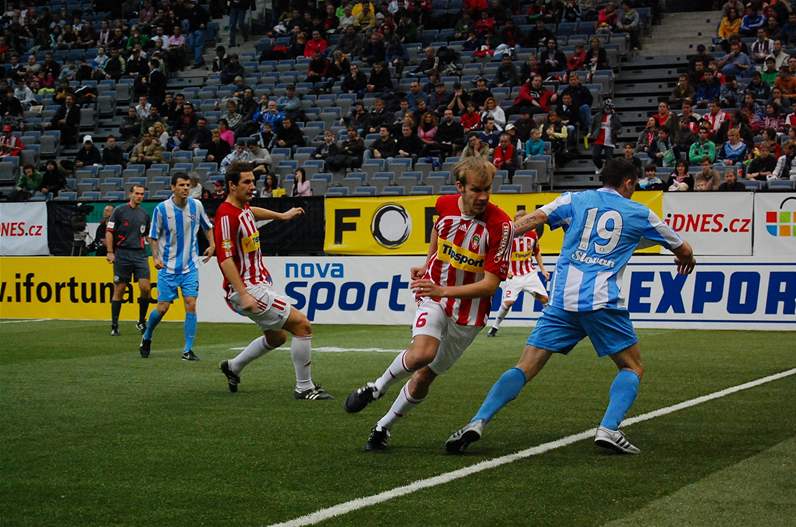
421	319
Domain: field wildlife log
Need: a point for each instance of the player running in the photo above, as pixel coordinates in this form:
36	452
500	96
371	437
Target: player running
522	273
467	260
175	225
603	228
249	291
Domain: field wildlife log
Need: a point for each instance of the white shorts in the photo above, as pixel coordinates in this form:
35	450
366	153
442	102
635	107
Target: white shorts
274	308
454	338
517	284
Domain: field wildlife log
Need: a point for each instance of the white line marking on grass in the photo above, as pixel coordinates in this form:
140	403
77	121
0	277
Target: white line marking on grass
367	501
24	320
332	349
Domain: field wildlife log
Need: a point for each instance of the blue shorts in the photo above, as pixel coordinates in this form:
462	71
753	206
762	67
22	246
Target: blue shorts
609	330
168	283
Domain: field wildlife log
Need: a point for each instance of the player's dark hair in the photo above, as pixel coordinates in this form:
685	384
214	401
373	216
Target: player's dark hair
178	176
137	185
616	171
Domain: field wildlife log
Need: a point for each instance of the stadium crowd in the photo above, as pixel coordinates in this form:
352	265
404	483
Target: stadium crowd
322	103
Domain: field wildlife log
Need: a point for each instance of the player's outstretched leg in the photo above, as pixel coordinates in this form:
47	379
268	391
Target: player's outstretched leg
411	394
504	310
257	348
301	354
358	399
621	397
505	390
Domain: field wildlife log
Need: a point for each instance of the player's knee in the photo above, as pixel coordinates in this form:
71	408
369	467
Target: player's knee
275	338
302	328
508	303
163	307
190	305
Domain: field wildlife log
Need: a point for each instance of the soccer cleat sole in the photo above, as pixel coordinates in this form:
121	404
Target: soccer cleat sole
232	379
460	444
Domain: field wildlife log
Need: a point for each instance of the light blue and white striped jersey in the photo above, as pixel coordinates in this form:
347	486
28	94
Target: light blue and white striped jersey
175	230
603	229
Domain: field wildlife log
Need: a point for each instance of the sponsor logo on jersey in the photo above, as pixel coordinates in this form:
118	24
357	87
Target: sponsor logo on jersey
251	243
459	257
505	241
581	256
475	244
521	256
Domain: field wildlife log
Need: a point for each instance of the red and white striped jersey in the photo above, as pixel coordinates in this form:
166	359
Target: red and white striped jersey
522	251
467	247
237	237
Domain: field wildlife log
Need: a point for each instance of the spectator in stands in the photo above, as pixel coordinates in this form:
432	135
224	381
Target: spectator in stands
607	17
218	190
731	183
354	82
708	89
762	167
505	156
385	146
317	45
240	154
773	118
729	27
785	168
53	178
788	32
89	155
415	94
663	151
757	88
226	135
604	134
112	154
730	93
353	148
10	144
450	134
630	23
556	133
148	151
459	99
143	108
702	149
552	59
379	81
778	99
359	116
475	147
220	60
752	21
427	133
270	185
231	115
490	133
409	145
762	47
736	62
538	35
374	50
232	69
718	121
288	135
630	156
270	115
177	52
534	146
218	148
649	180
507	74
11	107
648	136
480	94
29	184
330	152
683	90
581	99
684	136
680	180
708	179
494	111
665	118
471	118
237	20
301	187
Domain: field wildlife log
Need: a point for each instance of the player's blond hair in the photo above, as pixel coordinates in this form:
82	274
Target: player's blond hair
473	165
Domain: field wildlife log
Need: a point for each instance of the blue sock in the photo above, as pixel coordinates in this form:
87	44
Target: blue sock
154	319
504	390
190	330
621	396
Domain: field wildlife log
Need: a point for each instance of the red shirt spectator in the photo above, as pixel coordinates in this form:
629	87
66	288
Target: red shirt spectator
10	145
316	44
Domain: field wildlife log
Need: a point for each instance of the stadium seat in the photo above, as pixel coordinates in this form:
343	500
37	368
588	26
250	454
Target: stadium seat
510	189
90	195
781	184
448	189
753	184
337	192
364	191
114	195
393	191
66	195
421	189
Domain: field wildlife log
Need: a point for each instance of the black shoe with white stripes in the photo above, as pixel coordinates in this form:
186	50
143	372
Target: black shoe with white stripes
144	348
461	438
492	332
313	394
378	439
614	440
360	398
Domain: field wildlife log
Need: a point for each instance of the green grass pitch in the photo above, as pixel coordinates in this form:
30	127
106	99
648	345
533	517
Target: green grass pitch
91	434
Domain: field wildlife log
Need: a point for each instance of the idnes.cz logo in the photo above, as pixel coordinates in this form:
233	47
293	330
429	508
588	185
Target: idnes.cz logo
782	222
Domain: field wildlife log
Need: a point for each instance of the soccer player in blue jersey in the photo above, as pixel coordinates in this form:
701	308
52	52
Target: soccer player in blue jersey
175	226
603	228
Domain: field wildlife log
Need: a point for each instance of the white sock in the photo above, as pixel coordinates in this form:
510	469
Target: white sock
504	310
256	348
396	371
301	353
403	403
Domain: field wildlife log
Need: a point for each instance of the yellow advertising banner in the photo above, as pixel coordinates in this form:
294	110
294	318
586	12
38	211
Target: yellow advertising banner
69	288
401	225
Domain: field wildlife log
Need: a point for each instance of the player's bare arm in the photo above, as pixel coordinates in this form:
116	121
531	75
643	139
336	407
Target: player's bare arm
109	246
417	273
211	248
684	258
483	288
537	254
529	221
267	214
231	273
156	259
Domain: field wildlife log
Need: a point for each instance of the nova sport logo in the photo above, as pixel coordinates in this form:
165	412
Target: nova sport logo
782	223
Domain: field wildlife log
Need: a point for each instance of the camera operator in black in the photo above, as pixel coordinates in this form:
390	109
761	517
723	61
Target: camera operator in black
126	231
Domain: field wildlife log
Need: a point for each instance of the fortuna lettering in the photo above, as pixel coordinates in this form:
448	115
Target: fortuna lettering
459	258
580	256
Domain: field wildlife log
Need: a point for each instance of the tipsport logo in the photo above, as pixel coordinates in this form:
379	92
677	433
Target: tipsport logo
782	223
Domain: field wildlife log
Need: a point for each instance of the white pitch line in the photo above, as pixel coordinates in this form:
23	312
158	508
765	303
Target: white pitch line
24	320
361	503
332	349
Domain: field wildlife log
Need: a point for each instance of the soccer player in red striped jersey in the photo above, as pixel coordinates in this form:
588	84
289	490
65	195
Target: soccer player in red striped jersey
467	259
249	290
522	273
